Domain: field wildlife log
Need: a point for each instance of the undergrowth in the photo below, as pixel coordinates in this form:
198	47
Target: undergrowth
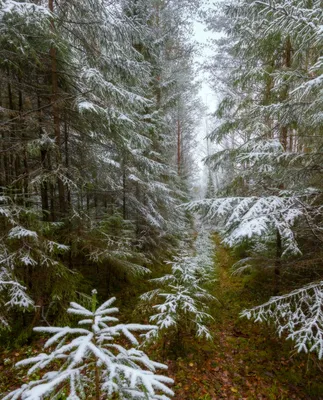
243	361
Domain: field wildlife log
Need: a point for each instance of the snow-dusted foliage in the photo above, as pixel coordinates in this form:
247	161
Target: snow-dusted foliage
27	9
268	129
183	302
298	314
27	243
204	250
13	294
249	217
88	150
267	69
90	360
300	21
113	240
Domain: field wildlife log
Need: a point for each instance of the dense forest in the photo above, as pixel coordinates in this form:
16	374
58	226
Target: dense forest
100	120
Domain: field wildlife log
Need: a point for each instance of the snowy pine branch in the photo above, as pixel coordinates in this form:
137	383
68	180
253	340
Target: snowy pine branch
248	217
91	354
299	314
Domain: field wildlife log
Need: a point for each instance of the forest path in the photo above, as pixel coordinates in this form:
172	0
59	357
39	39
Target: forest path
245	360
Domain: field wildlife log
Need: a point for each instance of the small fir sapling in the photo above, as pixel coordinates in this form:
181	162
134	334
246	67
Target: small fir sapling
204	253
299	314
92	362
183	300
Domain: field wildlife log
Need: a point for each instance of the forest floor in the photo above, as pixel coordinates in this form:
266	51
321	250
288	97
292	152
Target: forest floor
244	360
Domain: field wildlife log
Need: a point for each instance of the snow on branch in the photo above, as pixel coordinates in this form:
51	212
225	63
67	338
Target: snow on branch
90	359
248	217
22	8
182	299
299	314
13	294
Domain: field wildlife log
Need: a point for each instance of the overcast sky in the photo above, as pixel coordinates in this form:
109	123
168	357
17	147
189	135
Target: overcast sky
206	93
203	37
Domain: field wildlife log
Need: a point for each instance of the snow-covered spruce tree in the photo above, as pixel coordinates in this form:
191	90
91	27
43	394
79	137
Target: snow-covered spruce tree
182	301
89	361
269	134
113	241
298	314
88	125
156	188
34	181
270	192
130	173
78	146
124	178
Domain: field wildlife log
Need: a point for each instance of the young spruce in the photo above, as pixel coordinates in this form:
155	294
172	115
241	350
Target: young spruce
92	362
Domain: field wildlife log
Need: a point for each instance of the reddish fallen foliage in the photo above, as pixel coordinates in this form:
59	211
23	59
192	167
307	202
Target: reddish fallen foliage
232	374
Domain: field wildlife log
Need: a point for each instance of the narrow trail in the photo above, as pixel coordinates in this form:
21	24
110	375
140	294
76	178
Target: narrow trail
245	361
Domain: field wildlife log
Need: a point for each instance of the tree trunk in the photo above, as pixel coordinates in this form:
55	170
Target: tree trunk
279	251
124	192
56	117
284	96
43	160
178	146
67	161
